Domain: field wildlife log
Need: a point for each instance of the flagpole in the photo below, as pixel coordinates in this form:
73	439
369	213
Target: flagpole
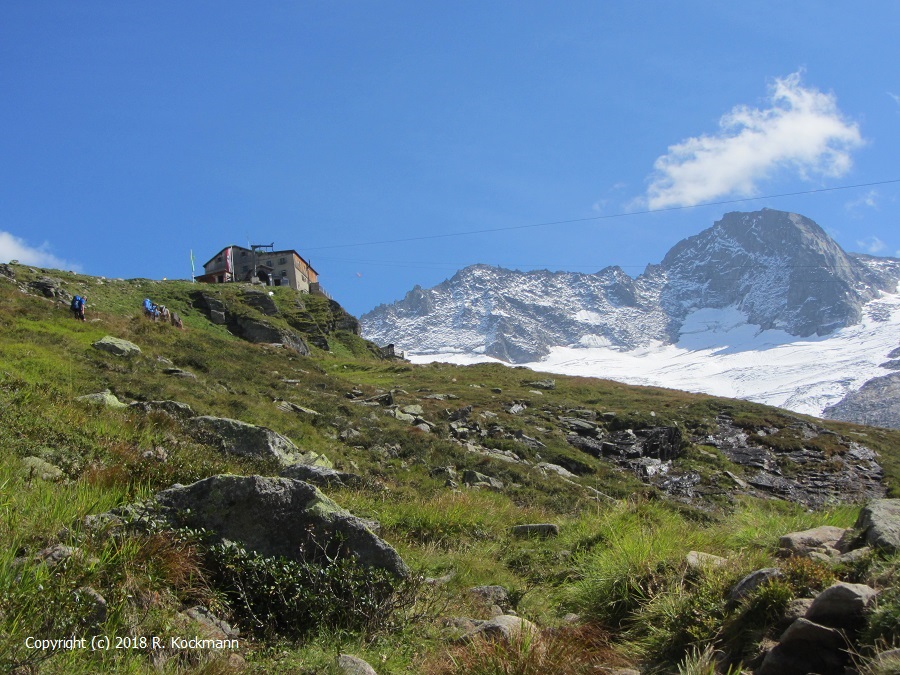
193	280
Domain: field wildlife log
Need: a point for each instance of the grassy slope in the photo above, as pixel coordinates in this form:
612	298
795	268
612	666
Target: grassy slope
46	361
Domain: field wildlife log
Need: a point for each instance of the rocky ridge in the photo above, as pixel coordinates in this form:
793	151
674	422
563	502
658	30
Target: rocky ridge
780	268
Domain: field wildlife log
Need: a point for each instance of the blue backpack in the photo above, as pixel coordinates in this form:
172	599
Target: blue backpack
77	302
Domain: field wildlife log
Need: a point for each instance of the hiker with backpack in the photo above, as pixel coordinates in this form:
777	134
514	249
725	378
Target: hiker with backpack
77	307
150	310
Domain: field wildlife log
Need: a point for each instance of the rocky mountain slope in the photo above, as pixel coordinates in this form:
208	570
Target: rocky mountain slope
263	492
779	271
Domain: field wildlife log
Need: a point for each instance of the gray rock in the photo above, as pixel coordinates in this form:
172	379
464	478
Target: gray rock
353	665
751	582
492	595
53	555
579	426
49	288
806	647
560	471
876	403
262	332
288	406
103	398
261	301
239	438
841	605
879	524
476	479
276	517
800	543
699	560
854	556
503	628
796	609
459	415
35	467
321	476
535	530
116	346
174	408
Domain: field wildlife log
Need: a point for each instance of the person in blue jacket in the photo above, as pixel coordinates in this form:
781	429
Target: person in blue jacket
77	307
150	309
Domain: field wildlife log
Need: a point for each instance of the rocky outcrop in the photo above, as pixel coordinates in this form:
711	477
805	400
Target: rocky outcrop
805	473
49	288
259	331
261	301
876	403
645	452
240	438
276	517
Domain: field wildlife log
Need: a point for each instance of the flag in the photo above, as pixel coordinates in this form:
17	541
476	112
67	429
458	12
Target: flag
192	264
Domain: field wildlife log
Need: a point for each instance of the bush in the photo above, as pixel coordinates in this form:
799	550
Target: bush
567	651
288	598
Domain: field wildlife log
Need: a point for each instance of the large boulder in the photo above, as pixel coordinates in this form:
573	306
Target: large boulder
276	517
878	525
240	438
841	605
801	543
806	647
116	346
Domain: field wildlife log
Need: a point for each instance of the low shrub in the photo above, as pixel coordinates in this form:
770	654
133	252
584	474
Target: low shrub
288	598
573	650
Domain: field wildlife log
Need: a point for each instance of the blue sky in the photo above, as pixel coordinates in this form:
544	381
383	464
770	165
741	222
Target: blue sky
131	133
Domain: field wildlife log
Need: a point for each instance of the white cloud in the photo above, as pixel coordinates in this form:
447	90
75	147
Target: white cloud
868	200
895	97
15	248
801	129
871	244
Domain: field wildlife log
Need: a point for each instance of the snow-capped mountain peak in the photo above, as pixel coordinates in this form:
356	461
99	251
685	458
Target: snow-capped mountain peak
768	273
